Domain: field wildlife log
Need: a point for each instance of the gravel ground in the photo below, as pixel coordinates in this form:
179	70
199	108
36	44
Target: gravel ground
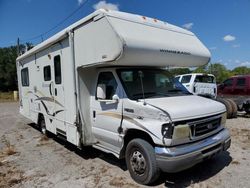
28	159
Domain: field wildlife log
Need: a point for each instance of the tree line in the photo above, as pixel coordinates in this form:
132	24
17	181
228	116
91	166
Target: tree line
218	70
8	76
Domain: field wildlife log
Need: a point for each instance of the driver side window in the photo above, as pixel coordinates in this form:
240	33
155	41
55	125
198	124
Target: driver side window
228	82
107	79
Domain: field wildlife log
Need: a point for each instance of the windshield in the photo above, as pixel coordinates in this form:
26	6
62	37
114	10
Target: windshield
155	83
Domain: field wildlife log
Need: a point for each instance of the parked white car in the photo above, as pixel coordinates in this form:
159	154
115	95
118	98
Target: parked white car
199	84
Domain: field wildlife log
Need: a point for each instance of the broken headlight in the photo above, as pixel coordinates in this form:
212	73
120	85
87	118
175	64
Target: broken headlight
167	130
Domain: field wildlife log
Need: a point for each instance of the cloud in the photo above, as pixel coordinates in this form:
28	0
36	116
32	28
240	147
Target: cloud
229	38
242	63
188	25
105	5
213	48
237	61
246	63
236	45
80	1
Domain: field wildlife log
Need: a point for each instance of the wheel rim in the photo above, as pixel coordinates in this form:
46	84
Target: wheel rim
138	163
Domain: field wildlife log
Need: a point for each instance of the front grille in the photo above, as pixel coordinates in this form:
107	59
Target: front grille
202	127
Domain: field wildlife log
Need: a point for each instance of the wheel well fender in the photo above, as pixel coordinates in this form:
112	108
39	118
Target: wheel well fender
40	117
132	134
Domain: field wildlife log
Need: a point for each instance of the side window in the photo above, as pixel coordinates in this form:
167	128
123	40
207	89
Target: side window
186	79
228	82
25	77
57	69
108	79
241	82
47	73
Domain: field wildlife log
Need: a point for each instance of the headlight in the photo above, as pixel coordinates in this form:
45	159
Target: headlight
224	119
181	131
167	130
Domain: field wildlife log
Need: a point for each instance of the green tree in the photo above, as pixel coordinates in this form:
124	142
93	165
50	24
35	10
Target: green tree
241	70
219	71
8	78
179	71
201	69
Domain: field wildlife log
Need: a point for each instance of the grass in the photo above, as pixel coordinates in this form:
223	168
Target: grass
9	150
6	96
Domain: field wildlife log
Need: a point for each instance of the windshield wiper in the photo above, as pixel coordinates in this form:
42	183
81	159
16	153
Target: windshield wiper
149	94
175	90
179	91
141	94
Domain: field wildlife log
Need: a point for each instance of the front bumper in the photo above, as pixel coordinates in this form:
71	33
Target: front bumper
175	159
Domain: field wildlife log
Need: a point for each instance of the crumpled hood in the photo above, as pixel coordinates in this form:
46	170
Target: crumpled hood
187	107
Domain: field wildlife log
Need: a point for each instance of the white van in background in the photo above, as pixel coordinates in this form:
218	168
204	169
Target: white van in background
199	84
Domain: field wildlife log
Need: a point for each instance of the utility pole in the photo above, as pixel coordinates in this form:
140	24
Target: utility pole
18	46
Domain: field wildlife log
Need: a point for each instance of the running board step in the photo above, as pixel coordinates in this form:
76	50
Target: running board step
61	134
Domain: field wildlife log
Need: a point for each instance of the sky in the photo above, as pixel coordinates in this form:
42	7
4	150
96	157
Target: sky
222	25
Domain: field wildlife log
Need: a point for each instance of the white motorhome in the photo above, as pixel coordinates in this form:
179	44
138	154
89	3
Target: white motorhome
102	82
199	84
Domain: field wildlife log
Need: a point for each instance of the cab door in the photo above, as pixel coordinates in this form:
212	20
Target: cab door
226	88
107	112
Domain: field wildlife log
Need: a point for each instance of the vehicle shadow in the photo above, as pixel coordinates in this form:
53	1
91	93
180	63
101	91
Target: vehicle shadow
86	152
198	173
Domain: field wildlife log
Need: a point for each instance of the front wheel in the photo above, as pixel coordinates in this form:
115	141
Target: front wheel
141	162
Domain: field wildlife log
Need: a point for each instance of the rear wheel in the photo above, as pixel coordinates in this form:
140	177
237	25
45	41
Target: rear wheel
141	162
246	107
228	107
42	126
234	108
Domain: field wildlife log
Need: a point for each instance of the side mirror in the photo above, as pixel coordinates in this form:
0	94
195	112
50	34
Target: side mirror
115	98
101	91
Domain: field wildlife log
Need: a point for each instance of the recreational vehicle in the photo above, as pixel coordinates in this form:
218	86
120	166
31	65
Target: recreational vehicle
103	82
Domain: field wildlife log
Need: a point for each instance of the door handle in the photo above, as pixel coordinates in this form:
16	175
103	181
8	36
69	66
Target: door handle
55	92
50	88
94	113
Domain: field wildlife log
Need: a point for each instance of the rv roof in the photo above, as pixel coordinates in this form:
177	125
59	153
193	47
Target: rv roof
102	12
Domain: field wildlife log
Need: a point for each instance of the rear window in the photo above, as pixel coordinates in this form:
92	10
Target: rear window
228	82
186	79
204	79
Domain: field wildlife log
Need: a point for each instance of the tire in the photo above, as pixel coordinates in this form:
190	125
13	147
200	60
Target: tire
141	162
234	108
228	107
246	106
42	126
